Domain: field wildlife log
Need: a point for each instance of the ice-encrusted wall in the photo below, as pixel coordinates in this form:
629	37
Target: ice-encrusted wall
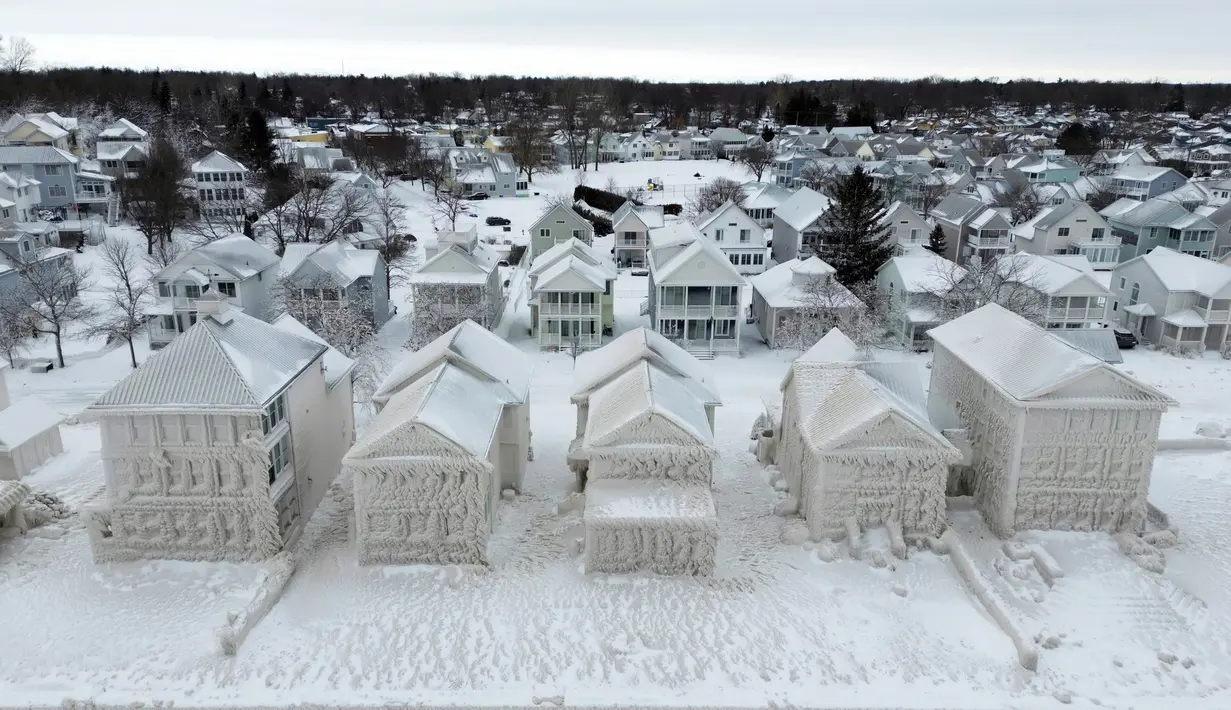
200	493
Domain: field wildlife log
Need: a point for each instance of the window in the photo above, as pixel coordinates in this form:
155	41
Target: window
1064	231
745	235
1096	233
544	232
168	322
226	288
724	329
579	234
758	259
1132	299
202	195
57	191
718	235
273	414
52	170
25	245
279	458
164	290
1122	280
1115	305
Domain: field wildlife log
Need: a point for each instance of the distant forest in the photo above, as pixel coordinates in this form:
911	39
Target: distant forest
206	95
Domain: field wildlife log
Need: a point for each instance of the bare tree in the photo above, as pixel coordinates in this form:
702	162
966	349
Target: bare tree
714	195
823	303
386	158
388	218
48	296
530	145
18	57
163	256
1021	200
154	196
756	158
991	147
437	308
1100	197
434	169
819	177
14	335
322	210
1008	281
448	206
123	314
930	191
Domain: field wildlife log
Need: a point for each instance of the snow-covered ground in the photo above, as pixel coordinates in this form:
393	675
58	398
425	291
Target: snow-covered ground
777	624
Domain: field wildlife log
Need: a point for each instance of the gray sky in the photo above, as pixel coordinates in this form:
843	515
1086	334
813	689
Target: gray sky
679	40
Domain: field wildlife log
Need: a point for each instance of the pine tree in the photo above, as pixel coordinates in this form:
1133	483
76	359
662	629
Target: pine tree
255	142
856	243
937	242
243	91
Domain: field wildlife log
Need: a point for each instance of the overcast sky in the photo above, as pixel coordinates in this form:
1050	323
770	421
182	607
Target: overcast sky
677	40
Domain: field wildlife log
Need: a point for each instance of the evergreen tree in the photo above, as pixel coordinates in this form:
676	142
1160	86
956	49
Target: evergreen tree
243	91
862	113
164	97
255	142
856	243
1078	139
937	242
768	134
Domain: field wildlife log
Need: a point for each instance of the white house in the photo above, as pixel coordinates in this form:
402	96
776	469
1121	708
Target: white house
907	230
797	225
572	288
558	224
1072	227
762	199
737	235
1074	297
19	197
912	285
29	436
337	274
222	184
856	448
779	294
631	225
462	281
1179	301
694	291
1060	439
221	445
235	266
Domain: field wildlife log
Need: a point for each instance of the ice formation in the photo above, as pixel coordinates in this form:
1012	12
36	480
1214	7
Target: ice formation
1060	439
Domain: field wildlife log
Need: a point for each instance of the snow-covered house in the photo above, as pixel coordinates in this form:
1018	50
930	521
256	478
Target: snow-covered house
338	275
19	197
784	290
63	184
694	291
912	285
1074	298
1108	161
120	160
761	200
1144	226
481	171
907	230
737	235
730	141
797	225
29	435
644	457
972	229
462	281
41	129
572	288
856	447
1179	301
1059	438
221	445
235	266
1142	182
556	225
631	224
1072	227
222	184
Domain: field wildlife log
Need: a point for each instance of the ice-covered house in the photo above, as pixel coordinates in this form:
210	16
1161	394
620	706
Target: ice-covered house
631	225
452	433
737	235
337	274
221	445
29	435
234	266
555	226
856	447
473	349
649	456
462	281
803	288
1059	438
694	291
572	288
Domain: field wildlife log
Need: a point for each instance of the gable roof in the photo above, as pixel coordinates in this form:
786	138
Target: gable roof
779	287
239	256
595	367
583	274
1148	173
225	361
568	212
1048	274
803	208
722	210
925	272
35	155
571	247
337	365
645	390
218	162
957	209
469	346
651	216
1024	361
834	346
680	243
1184	272
121	128
342	263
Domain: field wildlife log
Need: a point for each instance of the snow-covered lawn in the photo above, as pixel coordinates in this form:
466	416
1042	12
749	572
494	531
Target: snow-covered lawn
777	624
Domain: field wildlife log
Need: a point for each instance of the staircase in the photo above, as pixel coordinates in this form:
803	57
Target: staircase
645	307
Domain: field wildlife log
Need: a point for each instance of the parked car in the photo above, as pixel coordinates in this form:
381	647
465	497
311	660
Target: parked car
476	196
1125	339
497	221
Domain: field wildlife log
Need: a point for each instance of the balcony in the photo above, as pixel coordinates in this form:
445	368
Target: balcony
188	302
555	341
989	242
706	311
90	196
1076	314
634	243
1078	242
717	345
570	309
1214	316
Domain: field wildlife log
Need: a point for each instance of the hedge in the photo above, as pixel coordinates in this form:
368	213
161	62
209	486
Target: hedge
673	209
600	199
602	225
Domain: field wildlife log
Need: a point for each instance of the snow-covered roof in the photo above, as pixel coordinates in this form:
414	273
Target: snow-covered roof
640	391
227	360
462	259
1023	360
217	162
759	195
35	155
122	128
342	263
721	212
803	208
1148	173
780	287
573	274
833	347
925	272
469	346
460	407
571	247
1187	318
239	256
642	344
1048	274
337	365
1184	272
1099	342
1140	309
24	420
680	243
119	150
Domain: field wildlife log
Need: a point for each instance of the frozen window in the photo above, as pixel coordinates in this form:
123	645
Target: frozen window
280	458
273	414
1132	299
